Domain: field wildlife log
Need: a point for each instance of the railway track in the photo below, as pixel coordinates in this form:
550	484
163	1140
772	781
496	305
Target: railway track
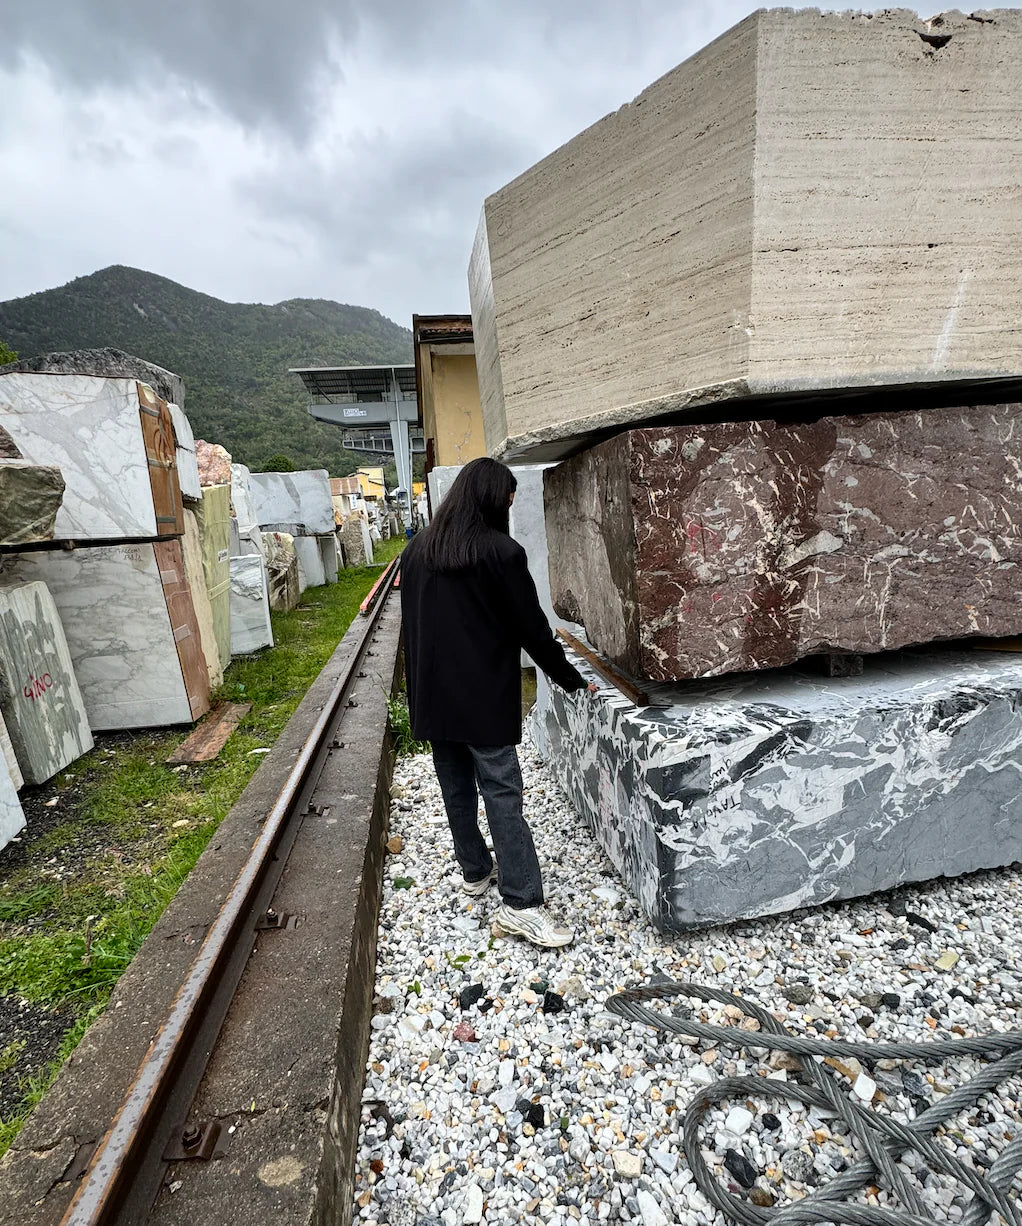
160	1130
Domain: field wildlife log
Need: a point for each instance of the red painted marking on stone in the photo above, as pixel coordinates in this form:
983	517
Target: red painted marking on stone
37	686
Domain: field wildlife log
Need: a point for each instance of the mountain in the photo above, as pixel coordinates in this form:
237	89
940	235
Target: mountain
233	357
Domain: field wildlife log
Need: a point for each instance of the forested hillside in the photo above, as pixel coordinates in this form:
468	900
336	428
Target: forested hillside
233	357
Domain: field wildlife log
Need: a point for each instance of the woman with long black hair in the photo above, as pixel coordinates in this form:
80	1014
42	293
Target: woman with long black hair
469	606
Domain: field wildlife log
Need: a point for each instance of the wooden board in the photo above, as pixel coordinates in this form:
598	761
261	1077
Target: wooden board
211	735
161	452
184	624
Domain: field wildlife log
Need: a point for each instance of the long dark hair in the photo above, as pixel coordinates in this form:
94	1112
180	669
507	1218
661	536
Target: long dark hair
478	502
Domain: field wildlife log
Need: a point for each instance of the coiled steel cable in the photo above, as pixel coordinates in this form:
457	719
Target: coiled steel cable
884	1139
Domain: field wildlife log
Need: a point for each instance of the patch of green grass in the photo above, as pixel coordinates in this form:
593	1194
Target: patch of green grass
145	825
400	724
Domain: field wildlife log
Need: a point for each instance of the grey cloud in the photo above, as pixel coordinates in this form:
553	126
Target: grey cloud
257	60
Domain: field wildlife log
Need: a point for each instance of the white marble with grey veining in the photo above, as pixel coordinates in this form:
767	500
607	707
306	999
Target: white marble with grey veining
89	427
118	629
298	503
12	816
187	468
250	607
310	561
762	793
40	696
328	553
246	535
9	756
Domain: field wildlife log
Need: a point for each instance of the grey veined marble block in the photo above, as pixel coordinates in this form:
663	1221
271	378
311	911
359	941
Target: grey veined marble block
762	793
127	644
298	503
42	704
250	608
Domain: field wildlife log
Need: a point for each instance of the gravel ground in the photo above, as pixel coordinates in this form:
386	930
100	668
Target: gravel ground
499	1089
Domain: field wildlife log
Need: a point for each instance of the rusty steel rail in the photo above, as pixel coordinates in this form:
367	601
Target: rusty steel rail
385	582
128	1167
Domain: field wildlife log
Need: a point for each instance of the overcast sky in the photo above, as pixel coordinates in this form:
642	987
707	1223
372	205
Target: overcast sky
259	150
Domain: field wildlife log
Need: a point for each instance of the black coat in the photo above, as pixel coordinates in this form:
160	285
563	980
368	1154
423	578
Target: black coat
463	633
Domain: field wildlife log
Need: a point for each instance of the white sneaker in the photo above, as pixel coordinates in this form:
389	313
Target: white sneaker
476	889
533	924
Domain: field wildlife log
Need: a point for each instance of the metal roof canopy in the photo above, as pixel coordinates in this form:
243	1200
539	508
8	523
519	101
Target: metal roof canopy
336	384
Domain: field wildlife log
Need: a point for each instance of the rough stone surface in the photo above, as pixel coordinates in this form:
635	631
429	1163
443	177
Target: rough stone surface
281	570
214	463
691	551
30	496
753	796
352	536
783	212
112	363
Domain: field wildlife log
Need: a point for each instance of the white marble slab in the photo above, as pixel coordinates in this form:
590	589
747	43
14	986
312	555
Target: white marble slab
12	817
250	608
328	552
310	560
298	503
764	792
187	468
9	756
40	697
118	630
89	427
246	536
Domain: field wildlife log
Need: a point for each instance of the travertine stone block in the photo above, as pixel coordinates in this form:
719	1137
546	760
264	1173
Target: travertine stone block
39	694
689	551
813	201
757	795
30	497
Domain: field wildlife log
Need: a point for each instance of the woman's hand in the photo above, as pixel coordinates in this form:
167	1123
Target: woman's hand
593	688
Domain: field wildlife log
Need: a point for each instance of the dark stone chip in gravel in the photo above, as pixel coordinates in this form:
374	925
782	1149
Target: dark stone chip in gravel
831	995
535	1115
769	1120
971	1000
870	999
448	1181
797	994
920	921
865	1021
522	1105
914	1083
924	998
485	1006
741	1168
552	1003
761	1197
901	943
890	1000
539	986
467	997
462	1168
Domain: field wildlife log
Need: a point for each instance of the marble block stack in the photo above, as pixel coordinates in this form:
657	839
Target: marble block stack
249	579
770	326
300	504
115	563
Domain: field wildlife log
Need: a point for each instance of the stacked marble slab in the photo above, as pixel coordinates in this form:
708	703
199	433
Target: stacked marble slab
131	628
43	710
778	215
133	611
301	505
251	629
691	551
757	794
213	517
771	326
12	816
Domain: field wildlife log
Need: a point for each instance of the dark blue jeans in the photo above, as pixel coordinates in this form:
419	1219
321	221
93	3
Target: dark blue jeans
467	771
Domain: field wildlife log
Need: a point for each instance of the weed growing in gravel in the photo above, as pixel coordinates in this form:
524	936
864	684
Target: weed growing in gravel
119	831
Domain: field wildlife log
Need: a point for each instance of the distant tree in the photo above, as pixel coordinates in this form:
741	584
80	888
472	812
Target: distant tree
6	355
279	463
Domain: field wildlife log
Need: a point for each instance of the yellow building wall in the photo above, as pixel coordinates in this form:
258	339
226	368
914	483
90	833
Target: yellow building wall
455	413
